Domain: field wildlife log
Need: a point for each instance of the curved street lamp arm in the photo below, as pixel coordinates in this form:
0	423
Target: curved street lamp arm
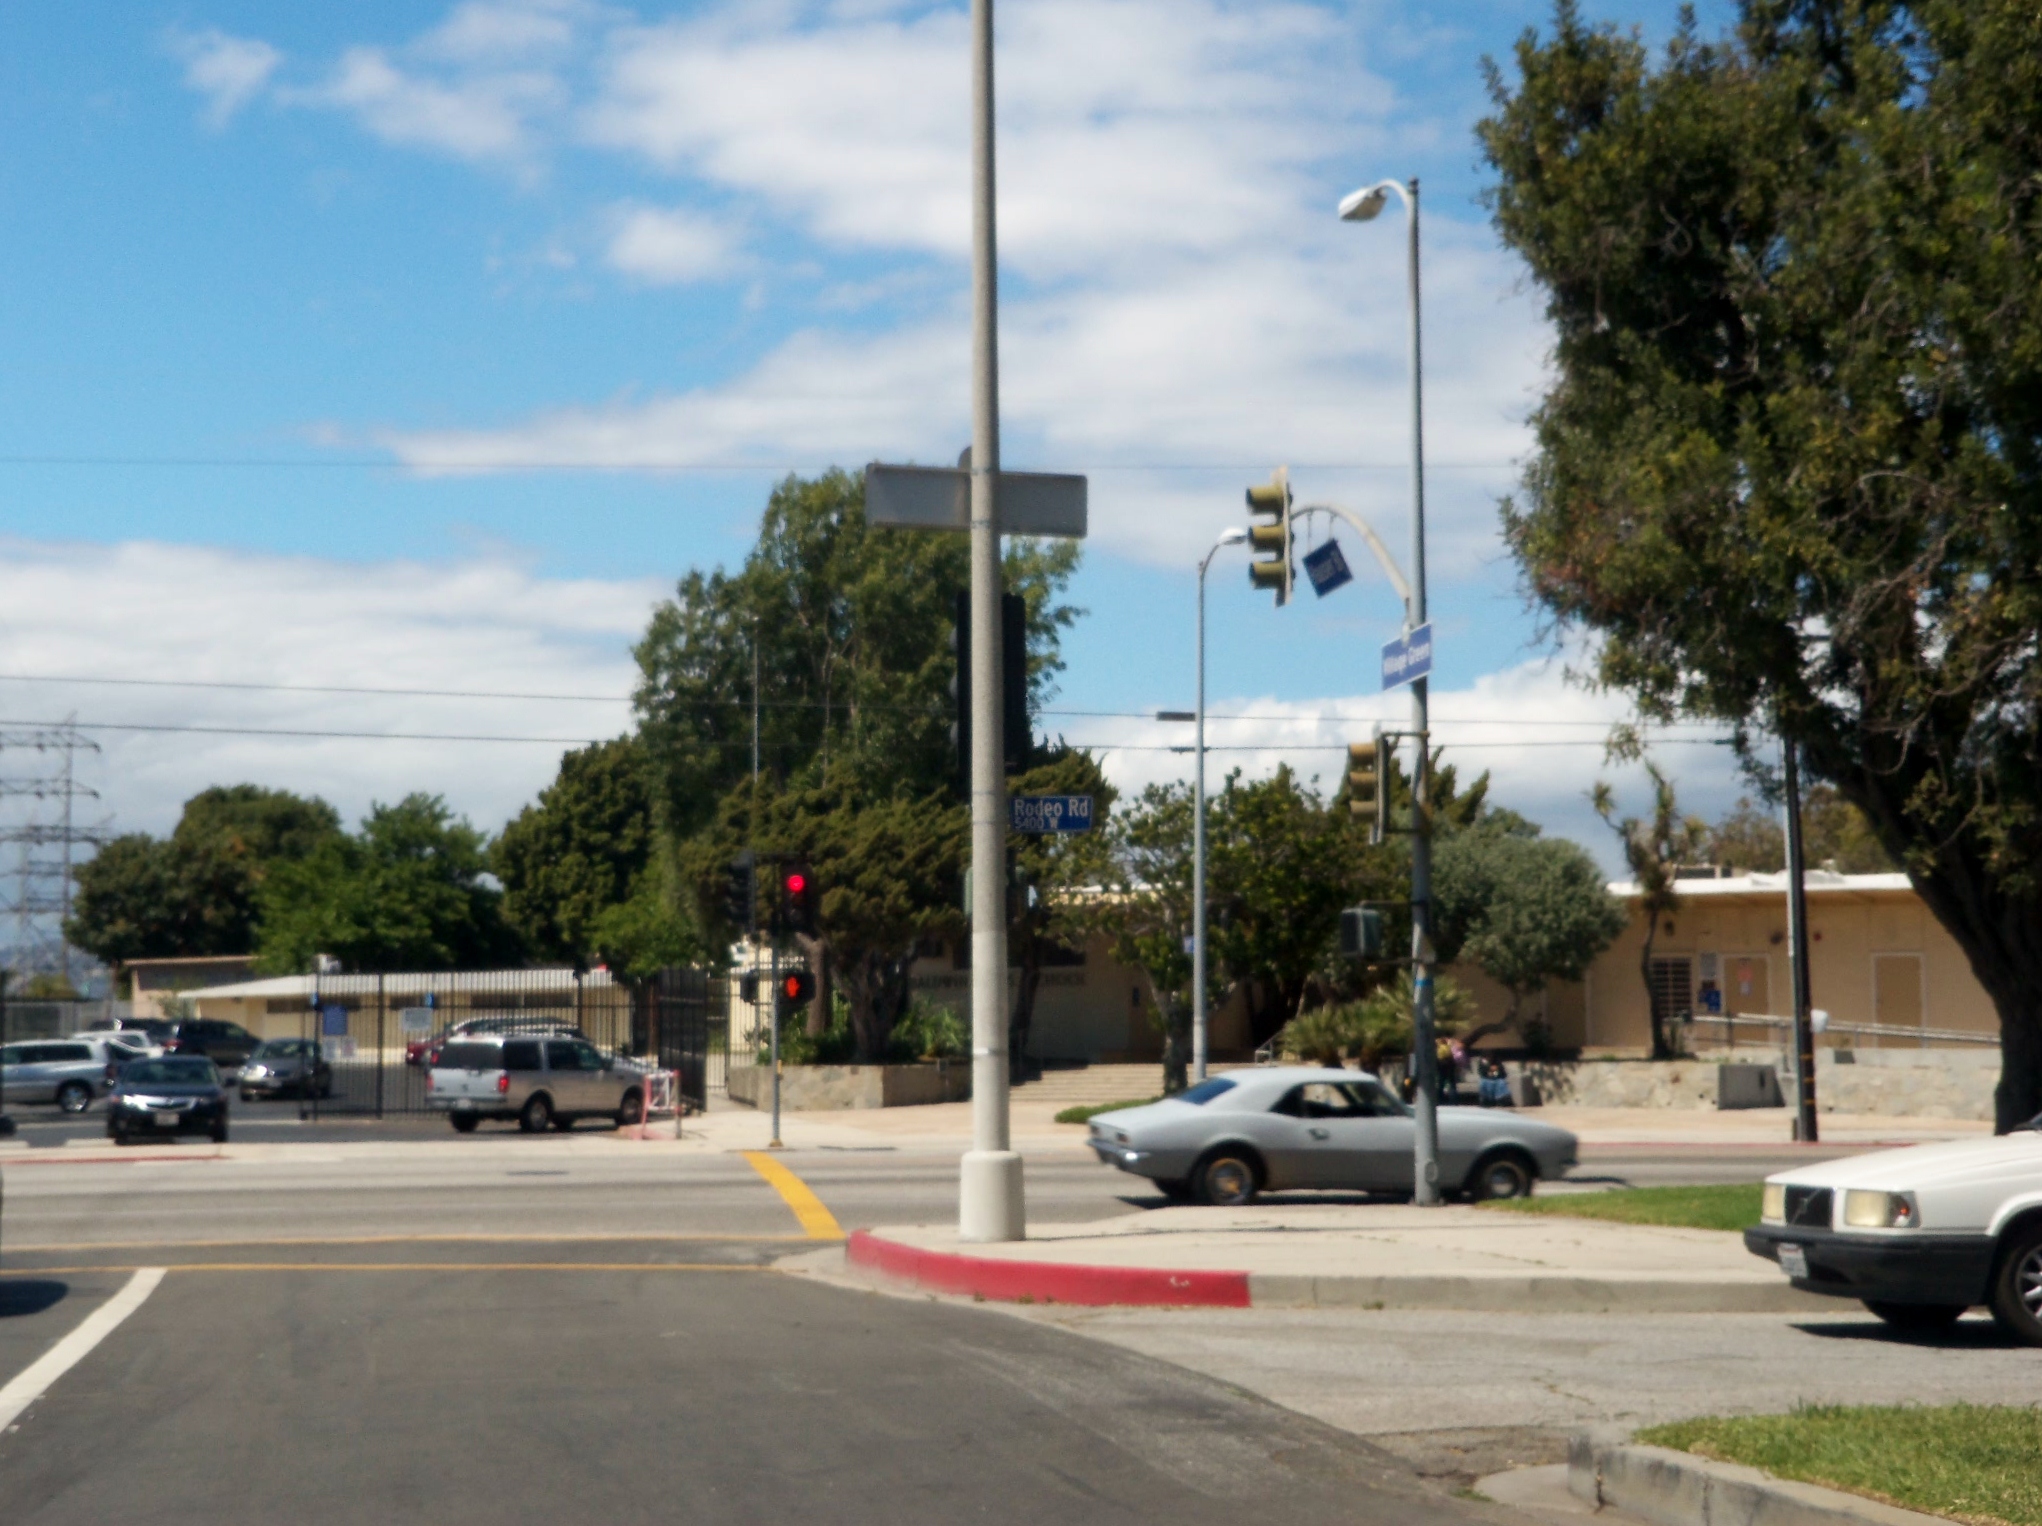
1375	543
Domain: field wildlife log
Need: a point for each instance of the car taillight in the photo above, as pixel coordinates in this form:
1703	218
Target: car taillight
503	1081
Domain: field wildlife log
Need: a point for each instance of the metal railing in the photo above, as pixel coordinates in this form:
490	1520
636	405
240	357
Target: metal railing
1728	1023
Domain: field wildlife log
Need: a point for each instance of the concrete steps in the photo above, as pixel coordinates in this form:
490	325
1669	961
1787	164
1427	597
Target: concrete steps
1093	1084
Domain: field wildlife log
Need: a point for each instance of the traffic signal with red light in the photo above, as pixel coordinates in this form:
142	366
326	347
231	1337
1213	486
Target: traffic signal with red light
797	989
796	909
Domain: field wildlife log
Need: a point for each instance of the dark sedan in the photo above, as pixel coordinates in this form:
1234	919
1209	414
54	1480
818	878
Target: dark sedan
286	1067
160	1099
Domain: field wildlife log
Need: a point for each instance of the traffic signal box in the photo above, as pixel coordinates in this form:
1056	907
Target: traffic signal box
740	894
796	912
1269	536
1368	784
797	990
1361	932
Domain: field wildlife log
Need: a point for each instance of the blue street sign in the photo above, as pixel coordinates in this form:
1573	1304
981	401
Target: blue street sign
333	1020
1408	657
1040	815
1327	568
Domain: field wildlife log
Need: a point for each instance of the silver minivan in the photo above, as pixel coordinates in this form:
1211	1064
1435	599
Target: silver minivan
69	1072
540	1079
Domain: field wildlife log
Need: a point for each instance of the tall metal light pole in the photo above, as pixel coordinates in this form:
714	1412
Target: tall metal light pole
1199	1046
1361	206
1797	956
989	1200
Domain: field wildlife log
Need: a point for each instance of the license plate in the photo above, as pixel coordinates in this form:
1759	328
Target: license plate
464	1105
166	1120
1794	1261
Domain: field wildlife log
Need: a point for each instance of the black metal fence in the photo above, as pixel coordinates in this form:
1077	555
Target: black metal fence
377	1031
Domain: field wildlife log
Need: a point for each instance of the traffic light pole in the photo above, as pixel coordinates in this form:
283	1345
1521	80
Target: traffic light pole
989	1205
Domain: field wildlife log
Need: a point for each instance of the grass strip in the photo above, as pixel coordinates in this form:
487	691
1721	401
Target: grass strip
1719	1207
1086	1114
1976	1462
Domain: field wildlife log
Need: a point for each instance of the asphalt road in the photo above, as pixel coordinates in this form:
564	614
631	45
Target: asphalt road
546	1329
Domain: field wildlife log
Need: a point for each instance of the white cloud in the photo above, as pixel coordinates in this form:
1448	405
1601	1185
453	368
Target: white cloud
484	117
493	31
1538	736
669	246
229	71
145	610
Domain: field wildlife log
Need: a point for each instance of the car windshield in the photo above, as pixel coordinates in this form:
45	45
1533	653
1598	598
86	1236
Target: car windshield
280	1049
1205	1091
171	1072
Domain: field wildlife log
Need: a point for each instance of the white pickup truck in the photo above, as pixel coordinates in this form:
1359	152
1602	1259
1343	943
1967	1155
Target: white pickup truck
1920	1234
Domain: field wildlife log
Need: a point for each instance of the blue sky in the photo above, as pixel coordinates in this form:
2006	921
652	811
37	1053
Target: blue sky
325	326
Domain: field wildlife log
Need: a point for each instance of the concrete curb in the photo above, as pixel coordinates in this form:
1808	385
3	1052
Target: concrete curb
1043	1281
1013	1280
1679	1489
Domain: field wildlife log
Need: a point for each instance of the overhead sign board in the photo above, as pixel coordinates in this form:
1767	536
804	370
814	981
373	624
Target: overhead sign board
1041	815
939	498
1408	657
1327	568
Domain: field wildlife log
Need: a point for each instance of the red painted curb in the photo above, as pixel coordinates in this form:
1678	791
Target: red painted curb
1045	1281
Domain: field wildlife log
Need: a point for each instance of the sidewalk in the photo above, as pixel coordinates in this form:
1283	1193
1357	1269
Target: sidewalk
1387	1256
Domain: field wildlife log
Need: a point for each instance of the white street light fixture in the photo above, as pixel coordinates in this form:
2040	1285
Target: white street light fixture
1234	536
1361	206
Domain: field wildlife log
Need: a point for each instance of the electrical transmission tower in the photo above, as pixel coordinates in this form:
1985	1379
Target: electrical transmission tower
46	845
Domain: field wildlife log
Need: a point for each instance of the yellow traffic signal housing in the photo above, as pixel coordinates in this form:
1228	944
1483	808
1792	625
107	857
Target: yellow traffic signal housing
1269	536
1368	784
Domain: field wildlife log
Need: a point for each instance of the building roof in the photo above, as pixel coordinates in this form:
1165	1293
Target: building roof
408	983
1817	882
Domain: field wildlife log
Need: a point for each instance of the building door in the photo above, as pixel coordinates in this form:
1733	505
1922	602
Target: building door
1673	992
1897	995
1748	990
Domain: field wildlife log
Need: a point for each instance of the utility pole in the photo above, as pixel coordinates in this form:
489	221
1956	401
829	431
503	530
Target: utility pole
990	1203
1797	955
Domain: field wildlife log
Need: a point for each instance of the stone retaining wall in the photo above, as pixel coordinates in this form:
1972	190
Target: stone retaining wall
823	1088
1893	1083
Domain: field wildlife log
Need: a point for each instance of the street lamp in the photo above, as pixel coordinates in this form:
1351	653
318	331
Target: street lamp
1231	537
1359	207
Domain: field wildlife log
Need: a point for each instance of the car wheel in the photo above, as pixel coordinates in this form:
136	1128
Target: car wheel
464	1123
2017	1285
1501	1177
537	1114
1226	1178
220	1132
74	1096
631	1111
1917	1316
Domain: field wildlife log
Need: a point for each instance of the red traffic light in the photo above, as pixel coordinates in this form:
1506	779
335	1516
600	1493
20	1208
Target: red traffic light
797	987
797	882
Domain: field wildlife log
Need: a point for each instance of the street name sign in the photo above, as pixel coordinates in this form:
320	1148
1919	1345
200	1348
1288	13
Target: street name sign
1408	657
939	498
1040	815
1327	568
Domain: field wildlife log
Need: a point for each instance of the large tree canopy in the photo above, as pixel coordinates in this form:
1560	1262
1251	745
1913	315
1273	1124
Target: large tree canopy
1789	471
194	892
578	851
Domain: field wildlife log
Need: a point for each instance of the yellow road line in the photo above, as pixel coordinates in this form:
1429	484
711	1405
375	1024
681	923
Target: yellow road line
402	1266
817	1220
446	1239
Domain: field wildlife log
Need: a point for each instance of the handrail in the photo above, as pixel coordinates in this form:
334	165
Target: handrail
1872	1030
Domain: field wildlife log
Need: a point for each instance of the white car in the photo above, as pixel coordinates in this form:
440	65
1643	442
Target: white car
1918	1235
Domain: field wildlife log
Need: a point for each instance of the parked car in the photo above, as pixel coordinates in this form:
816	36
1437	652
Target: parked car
226	1044
539	1080
425	1051
1279	1128
177	1094
1918	1235
69	1072
286	1067
156	1030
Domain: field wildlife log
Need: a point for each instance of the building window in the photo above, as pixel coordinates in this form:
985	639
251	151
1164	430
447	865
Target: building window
1673	985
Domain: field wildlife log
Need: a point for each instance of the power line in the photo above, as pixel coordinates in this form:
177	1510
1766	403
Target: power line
467	468
290	731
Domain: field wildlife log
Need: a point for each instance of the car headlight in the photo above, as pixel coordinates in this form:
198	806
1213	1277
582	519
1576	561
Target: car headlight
1880	1210
1773	1204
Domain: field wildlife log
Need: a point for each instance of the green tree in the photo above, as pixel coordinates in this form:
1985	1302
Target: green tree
1834	834
407	892
1145	908
1789	470
1653	848
1525	910
854	648
195	892
1046	904
887	870
583	849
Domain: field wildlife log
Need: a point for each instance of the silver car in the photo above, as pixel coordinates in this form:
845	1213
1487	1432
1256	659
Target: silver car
69	1072
1286	1127
540	1079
